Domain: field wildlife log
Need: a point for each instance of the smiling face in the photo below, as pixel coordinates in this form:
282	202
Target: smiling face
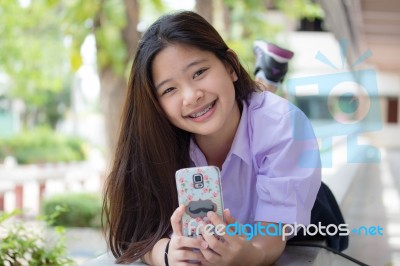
195	89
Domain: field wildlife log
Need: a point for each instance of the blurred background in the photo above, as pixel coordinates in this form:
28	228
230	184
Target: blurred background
64	66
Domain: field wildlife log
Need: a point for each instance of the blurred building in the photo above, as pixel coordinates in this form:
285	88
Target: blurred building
357	37
374	26
349	59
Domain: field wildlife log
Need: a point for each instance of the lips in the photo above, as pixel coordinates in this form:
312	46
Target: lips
202	111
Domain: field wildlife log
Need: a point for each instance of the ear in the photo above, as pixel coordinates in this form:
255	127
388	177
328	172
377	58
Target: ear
231	69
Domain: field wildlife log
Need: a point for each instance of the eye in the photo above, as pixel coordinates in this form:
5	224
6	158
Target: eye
168	90
198	73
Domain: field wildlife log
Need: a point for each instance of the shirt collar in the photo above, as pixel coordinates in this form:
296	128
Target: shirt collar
240	145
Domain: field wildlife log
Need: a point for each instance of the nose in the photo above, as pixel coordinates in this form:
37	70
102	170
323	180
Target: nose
192	96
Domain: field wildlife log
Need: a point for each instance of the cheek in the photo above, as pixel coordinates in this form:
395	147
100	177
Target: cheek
170	108
228	91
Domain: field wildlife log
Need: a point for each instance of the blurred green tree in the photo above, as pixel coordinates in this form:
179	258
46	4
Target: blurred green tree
114	23
33	56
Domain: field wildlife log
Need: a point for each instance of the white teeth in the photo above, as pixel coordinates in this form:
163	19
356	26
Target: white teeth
202	112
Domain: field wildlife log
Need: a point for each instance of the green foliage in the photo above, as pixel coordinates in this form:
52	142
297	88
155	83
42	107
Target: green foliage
34	58
53	109
248	22
301	9
32	52
22	245
105	19
41	146
149	11
113	51
82	209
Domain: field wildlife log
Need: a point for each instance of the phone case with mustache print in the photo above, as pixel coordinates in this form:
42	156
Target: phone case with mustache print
199	190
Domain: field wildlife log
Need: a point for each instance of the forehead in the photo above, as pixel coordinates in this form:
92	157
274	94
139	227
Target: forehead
185	53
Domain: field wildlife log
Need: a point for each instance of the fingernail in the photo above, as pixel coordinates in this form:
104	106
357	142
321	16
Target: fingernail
204	244
210	214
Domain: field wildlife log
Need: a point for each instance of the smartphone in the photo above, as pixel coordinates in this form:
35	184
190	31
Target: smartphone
199	190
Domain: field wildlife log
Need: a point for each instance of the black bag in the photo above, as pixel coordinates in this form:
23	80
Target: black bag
326	211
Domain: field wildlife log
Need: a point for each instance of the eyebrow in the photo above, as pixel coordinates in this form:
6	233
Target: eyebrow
195	62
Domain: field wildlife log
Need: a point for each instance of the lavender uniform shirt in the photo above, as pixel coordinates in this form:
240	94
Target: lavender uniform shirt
272	172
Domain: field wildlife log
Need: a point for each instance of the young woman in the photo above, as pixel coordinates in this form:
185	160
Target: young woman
191	103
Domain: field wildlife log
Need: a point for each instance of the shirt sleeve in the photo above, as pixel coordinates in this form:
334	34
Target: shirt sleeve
289	168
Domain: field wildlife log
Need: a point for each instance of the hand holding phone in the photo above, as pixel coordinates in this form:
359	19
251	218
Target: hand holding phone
199	190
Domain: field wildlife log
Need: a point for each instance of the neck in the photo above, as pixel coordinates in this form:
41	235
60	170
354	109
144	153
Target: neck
217	146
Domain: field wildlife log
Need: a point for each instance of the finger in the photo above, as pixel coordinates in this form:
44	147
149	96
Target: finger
217	221
185	256
204	262
210	257
213	243
214	218
176	220
228	217
179	242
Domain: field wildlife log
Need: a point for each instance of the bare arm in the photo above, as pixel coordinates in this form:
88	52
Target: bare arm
181	248
156	255
268	248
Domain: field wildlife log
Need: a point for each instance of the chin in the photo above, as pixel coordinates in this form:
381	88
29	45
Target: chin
207	132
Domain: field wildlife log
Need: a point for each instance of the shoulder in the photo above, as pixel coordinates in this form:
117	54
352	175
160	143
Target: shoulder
267	106
279	133
273	120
